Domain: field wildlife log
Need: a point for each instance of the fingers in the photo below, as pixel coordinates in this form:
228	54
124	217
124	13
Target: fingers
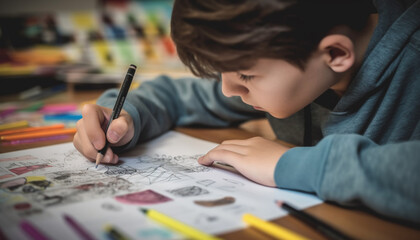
82	143
228	151
225	153
255	158
90	136
91	124
110	157
121	130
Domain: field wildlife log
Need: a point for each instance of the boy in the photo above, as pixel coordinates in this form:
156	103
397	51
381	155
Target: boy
347	72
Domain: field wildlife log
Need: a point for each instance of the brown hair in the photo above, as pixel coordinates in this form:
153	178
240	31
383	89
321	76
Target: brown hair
215	36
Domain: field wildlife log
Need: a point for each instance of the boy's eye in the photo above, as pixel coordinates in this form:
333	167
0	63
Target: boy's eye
245	77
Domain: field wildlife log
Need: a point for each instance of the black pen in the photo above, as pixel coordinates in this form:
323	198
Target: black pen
117	108
314	222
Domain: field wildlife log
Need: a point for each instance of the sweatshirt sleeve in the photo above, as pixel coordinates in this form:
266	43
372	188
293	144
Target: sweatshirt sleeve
162	103
351	169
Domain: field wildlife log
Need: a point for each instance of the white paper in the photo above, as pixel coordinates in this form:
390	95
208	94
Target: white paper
42	184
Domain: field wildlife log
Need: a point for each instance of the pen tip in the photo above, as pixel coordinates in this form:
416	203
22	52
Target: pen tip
96	166
279	202
99	158
143	210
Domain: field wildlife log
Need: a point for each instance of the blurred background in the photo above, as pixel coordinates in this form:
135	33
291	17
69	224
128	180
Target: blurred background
53	45
57	55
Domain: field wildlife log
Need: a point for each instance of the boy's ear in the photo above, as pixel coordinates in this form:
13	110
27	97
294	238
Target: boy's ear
338	51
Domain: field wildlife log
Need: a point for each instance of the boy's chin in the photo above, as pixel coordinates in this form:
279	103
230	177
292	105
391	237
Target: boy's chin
281	115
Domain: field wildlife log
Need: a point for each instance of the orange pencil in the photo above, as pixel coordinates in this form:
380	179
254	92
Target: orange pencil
32	129
47	133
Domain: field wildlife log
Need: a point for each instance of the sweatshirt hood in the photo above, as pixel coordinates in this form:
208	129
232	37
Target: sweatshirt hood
398	20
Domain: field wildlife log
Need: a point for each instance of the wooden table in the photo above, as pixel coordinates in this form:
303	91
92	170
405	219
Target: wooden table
356	223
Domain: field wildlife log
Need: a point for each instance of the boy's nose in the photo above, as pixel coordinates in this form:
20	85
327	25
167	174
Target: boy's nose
231	86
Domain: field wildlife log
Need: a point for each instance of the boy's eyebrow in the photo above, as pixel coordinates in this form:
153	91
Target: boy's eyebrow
244	72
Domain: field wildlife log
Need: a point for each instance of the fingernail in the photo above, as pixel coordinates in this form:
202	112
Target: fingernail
113	136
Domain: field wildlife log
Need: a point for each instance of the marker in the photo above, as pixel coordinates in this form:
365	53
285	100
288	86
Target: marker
188	231
270	228
12	125
77	228
314	222
117	108
114	234
32	231
47	133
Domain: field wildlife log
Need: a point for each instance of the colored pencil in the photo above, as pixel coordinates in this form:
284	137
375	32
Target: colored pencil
12	125
272	229
33	140
32	129
59	108
62	117
314	222
178	226
32	231
47	133
6	112
77	228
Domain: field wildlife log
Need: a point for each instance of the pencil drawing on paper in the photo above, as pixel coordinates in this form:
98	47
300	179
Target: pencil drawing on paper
144	197
70	186
18	158
111	207
149	170
105	187
120	170
28	184
26	169
23	167
203	218
216	202
189	191
60	180
206	182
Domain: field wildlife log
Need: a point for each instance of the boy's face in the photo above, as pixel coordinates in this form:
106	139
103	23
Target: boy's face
278	87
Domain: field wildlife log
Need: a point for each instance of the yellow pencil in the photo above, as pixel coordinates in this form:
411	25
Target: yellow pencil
177	226
12	125
271	228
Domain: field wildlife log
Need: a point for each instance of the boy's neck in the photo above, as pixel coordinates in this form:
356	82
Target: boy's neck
361	41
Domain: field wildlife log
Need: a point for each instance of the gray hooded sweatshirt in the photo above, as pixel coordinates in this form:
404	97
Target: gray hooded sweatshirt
365	148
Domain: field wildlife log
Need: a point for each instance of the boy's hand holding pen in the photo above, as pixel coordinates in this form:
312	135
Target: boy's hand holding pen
117	108
92	139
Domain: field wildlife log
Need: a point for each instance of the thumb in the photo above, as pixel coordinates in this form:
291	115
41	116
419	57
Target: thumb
121	129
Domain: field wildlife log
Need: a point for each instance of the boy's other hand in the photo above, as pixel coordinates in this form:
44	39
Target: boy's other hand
255	158
90	135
